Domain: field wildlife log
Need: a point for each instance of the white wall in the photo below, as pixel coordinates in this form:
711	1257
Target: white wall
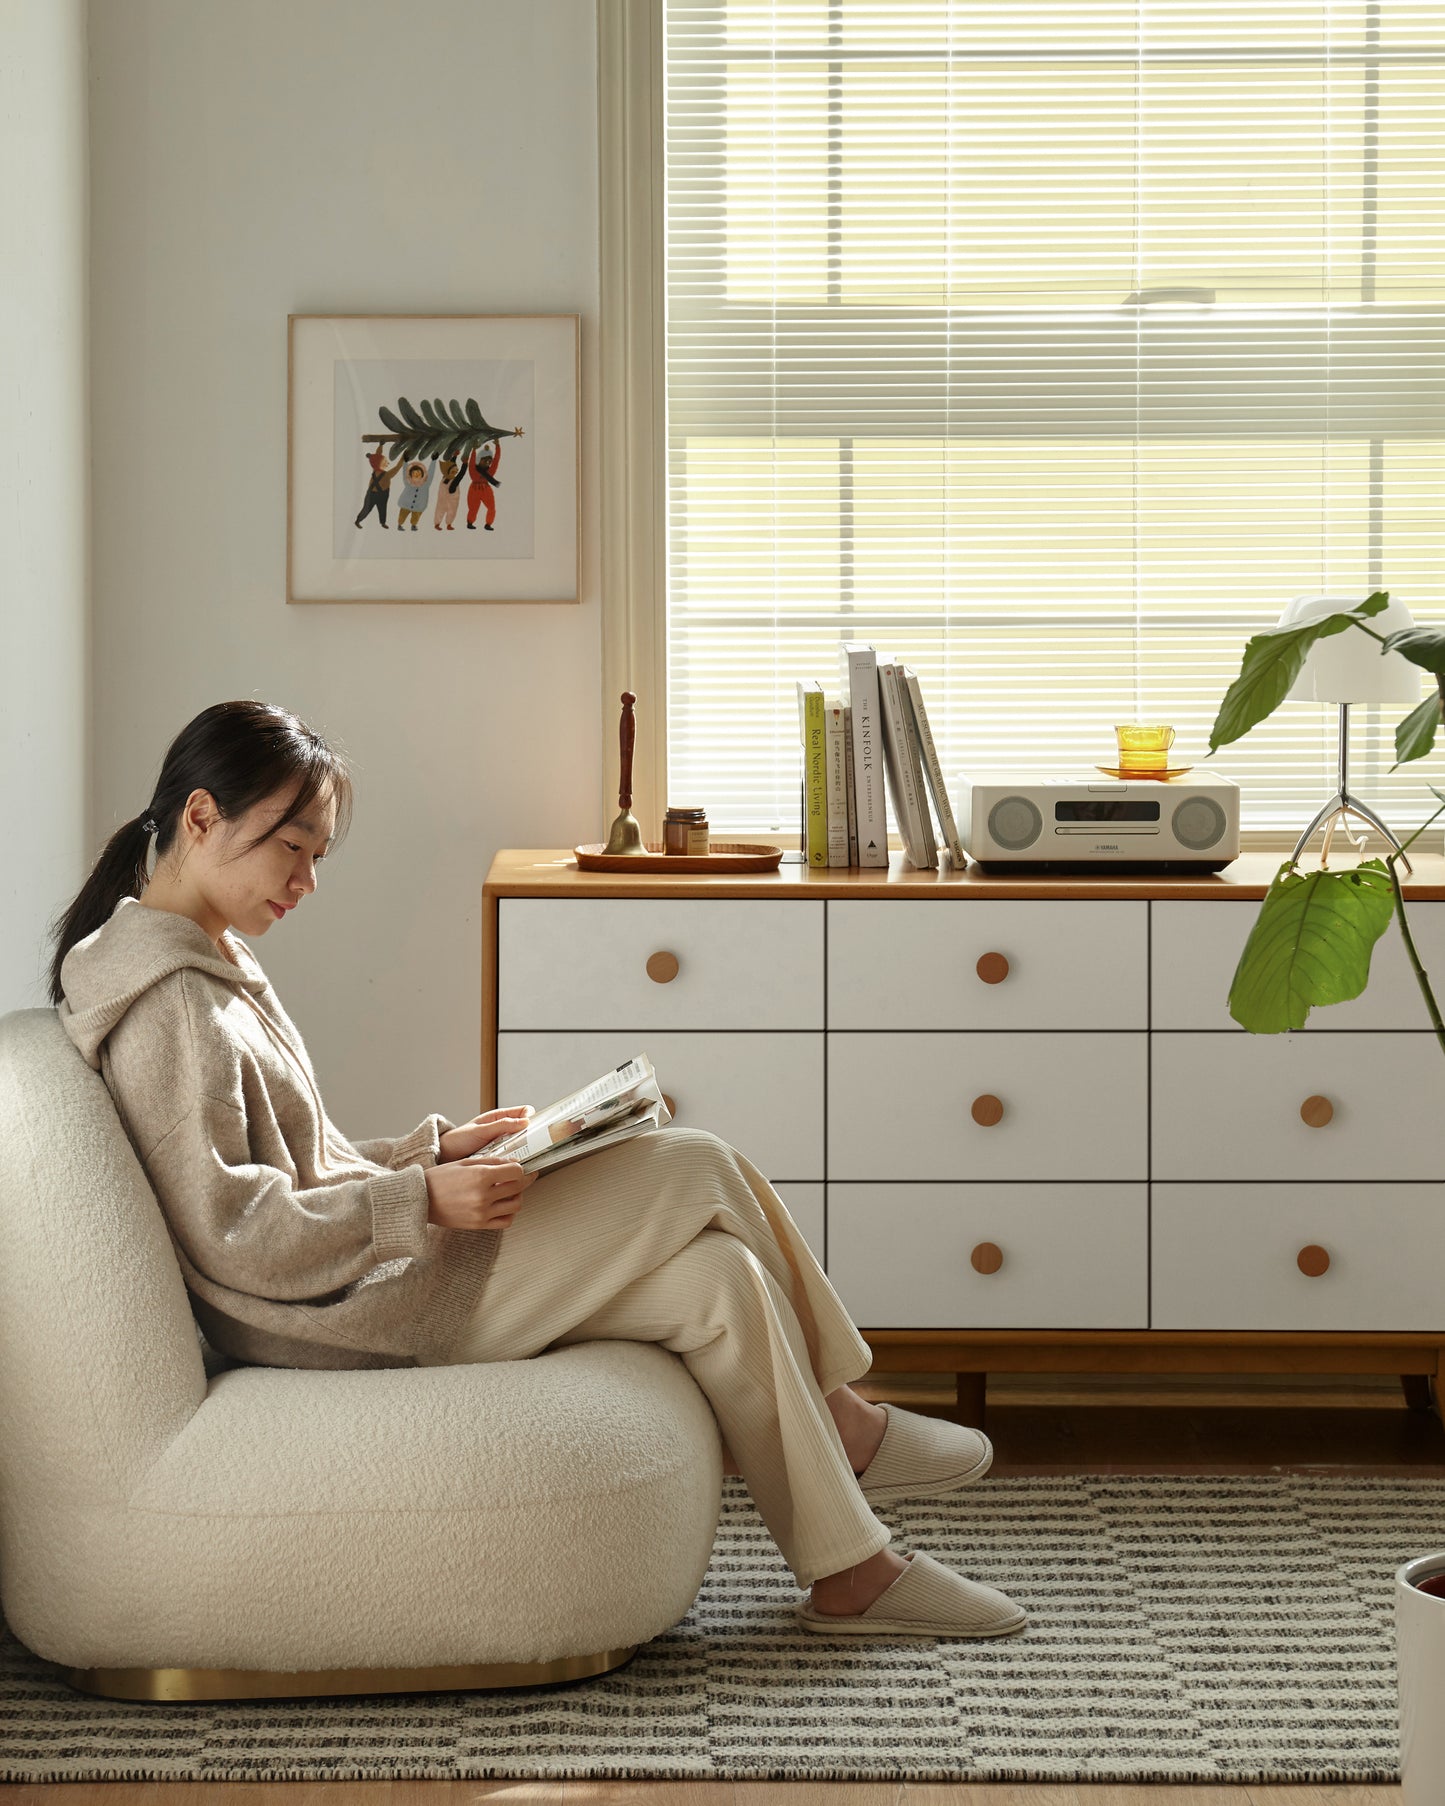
43	485
264	157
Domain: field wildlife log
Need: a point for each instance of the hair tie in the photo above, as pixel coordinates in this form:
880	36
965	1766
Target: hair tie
148	824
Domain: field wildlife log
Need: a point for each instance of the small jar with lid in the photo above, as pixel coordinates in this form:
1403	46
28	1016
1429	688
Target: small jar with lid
685	831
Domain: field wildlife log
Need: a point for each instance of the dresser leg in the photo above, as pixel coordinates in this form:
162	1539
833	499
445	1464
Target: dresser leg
1419	1392
972	1388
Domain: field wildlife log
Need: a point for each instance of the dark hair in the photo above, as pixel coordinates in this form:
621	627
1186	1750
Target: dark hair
242	753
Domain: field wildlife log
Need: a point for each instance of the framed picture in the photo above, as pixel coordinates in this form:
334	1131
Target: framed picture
432	458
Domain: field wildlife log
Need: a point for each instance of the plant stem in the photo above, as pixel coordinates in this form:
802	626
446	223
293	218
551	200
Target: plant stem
1420	978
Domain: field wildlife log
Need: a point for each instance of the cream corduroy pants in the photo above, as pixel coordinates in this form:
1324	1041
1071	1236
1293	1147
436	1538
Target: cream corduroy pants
675	1237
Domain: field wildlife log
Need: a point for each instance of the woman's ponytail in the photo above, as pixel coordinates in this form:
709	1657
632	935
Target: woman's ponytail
241	753
119	872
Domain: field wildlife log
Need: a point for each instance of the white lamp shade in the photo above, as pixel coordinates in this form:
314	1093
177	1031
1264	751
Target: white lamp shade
1350	666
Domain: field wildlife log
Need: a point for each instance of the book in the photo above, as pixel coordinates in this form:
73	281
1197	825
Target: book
836	744
811	714
933	770
852	792
860	670
898	770
915	762
622	1103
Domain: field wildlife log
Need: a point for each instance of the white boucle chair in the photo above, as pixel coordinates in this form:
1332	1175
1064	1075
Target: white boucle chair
176	1527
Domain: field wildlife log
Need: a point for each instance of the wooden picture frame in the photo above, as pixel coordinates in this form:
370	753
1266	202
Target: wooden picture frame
432	457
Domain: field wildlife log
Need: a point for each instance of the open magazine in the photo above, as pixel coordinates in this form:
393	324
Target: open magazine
624	1102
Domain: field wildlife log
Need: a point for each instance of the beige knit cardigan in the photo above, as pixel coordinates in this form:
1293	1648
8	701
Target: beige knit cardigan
298	1247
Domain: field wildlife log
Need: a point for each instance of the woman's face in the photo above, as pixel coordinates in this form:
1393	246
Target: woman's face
210	878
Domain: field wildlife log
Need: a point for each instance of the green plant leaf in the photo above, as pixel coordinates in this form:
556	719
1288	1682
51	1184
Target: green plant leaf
474	413
1272	662
429	414
458	414
390	419
409	413
1310	944
1424	646
1415	735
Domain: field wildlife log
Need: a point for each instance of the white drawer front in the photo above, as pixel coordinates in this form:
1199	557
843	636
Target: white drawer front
902	1106
805	1201
1228	1106
1074	1256
1071	964
1227	1257
582	963
763	1093
1196	947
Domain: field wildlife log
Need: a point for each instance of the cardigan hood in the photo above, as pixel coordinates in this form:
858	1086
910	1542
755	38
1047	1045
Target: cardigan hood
116	964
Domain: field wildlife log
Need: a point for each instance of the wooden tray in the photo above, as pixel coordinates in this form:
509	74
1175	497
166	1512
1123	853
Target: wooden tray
725	856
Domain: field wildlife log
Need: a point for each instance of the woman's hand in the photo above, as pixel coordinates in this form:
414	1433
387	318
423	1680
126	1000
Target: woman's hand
492	1125
475	1193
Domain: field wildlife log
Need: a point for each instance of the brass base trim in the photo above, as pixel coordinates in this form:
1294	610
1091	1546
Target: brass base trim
258	1683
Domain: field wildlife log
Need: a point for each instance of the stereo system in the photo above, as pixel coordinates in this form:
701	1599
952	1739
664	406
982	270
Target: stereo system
1080	823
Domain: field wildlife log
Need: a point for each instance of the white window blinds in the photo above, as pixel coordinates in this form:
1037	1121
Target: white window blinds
1052	346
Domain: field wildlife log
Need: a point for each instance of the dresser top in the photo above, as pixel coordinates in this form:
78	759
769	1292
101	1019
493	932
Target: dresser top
553	872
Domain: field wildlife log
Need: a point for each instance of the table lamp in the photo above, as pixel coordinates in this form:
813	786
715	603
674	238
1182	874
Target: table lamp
1350	667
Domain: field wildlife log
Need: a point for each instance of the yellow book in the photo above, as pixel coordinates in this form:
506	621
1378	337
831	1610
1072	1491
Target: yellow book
812	718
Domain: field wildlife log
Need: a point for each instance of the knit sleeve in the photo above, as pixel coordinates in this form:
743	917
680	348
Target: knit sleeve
247	1226
422	1147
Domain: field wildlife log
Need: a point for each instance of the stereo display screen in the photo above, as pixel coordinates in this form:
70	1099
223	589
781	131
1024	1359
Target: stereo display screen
1106	809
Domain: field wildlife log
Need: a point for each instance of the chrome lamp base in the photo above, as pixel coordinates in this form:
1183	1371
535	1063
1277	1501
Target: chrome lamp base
1341	805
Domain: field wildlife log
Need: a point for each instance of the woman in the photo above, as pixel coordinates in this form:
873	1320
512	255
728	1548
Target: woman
300	1248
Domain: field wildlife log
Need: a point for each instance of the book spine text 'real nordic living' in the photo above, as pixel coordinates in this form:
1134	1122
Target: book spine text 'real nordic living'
812	712
860	669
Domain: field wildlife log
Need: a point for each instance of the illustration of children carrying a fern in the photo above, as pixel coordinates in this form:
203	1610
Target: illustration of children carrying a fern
450	434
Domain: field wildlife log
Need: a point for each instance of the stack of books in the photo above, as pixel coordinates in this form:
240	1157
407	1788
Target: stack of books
874	725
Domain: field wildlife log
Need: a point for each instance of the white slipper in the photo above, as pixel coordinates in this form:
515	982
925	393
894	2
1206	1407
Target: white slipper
926	1600
921	1457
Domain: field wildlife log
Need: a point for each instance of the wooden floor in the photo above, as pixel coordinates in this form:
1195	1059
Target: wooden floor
1040	1424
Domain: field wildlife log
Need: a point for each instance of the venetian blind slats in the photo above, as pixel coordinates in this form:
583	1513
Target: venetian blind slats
1054	347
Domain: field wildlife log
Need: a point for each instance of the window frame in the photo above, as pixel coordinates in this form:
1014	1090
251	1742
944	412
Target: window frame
633	386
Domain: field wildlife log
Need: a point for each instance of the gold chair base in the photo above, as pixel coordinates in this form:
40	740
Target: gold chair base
257	1683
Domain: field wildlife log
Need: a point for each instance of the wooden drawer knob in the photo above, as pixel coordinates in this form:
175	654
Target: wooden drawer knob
671	1106
662	968
987	1257
987	1110
992	968
1316	1111
1312	1261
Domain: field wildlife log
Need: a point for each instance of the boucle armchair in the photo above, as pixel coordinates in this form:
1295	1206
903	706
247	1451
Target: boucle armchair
176	1526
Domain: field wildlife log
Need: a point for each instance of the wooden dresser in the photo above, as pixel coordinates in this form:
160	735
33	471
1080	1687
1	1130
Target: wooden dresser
1012	1115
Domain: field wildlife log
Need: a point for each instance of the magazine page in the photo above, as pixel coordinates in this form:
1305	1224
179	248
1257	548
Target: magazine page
629	1090
638	1122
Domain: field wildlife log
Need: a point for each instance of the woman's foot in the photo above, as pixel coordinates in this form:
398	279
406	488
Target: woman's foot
860	1425
855	1589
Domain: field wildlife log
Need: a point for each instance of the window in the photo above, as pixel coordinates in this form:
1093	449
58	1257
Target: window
1053	346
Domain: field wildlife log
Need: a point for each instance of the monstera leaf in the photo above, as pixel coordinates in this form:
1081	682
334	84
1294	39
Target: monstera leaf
1310	944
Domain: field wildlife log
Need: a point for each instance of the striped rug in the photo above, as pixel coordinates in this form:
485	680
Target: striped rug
1225	1629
